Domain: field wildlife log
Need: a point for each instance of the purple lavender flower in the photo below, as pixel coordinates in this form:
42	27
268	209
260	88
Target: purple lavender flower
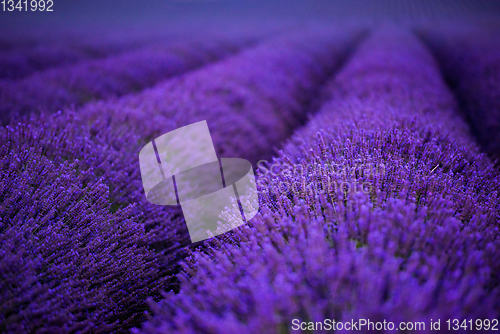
420	242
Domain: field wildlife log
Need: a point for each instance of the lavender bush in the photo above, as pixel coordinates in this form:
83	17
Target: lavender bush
470	59
87	189
68	263
109	77
421	243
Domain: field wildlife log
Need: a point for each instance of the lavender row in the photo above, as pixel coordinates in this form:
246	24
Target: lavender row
470	58
380	208
23	61
110	77
249	101
83	232
276	79
24	52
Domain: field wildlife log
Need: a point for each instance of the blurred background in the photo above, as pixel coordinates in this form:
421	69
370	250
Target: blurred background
128	19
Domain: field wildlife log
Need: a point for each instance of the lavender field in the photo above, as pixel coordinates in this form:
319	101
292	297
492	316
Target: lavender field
373	131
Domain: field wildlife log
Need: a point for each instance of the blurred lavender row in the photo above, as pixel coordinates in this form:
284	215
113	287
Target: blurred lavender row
250	101
74	215
380	208
470	59
111	77
23	61
26	51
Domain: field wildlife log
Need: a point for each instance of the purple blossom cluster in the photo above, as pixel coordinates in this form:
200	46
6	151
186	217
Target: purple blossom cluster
470	59
68	263
422	244
85	249
110	77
